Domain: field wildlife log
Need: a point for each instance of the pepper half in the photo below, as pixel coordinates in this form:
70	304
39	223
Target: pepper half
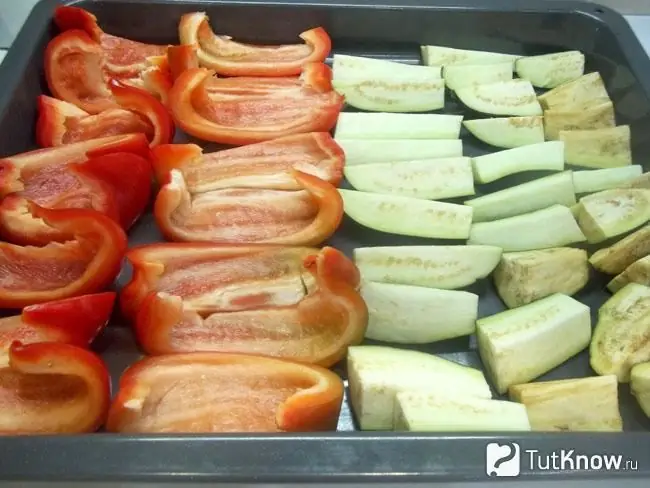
245	110
306	217
87	262
215	392
231	58
295	303
62	177
52	388
61	122
263	165
75	321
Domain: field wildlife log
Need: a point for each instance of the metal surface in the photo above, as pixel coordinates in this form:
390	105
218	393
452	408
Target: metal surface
375	28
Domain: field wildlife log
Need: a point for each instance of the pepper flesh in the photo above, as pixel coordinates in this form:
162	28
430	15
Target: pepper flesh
295	303
231	58
243	215
245	110
77	71
52	388
75	321
87	262
61	178
216	392
61	122
262	165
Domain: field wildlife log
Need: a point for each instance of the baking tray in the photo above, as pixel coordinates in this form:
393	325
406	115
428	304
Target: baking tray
376	28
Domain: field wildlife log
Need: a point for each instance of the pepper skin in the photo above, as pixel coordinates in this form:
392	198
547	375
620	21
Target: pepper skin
300	304
231	58
87	262
75	321
52	388
61	178
306	217
263	165
216	392
61	122
238	111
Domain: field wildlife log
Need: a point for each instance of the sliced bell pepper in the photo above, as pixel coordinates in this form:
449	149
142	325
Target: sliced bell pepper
87	262
249	215
61	122
180	59
215	392
76	70
75	321
52	388
99	183
241	111
294	303
231	58
123	58
262	165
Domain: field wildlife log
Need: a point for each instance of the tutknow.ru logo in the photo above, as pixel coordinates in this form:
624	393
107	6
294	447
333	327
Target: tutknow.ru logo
507	460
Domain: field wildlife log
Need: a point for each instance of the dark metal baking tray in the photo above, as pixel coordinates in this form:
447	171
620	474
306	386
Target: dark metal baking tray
375	28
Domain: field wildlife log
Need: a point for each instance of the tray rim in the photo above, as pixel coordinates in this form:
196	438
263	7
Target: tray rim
340	457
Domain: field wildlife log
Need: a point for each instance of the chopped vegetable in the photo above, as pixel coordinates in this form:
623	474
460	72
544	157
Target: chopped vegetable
616	258
461	75
231	58
551	70
423	411
554	226
368	151
519	345
417	315
384	125
508	132
513	97
527	197
610	213
543	156
377	373
408	216
594	180
574	405
589	89
291	302
427	178
444	267
208	392
598	148
526	276
640	386
386	86
585	117
444	56
637	272
620	336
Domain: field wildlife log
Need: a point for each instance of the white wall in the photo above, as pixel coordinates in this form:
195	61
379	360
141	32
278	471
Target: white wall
12	15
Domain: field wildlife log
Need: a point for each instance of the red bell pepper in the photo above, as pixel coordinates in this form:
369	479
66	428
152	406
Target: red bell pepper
52	388
123	58
74	321
61	178
241	111
87	262
249	215
231	58
262	165
61	122
215	392
180	59
294	303
77	71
